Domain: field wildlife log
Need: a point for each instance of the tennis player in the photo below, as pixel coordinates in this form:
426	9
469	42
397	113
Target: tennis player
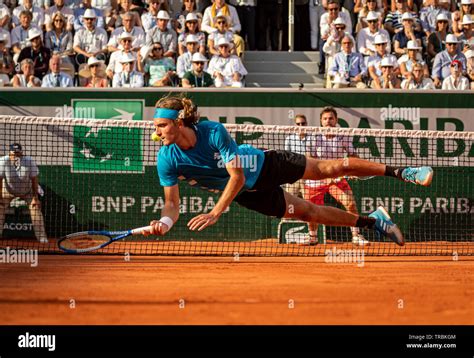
205	155
332	147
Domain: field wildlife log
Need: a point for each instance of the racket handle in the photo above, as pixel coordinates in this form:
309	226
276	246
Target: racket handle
139	231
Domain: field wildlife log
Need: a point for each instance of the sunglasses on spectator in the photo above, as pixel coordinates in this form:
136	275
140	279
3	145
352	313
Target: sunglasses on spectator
94	65
157	48
340	28
127	40
221	22
451	44
300	123
199	63
333	9
192	22
372	21
88	19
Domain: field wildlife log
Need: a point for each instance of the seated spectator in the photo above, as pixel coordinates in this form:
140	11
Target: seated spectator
198	77
457	16
466	38
149	19
128	77
95	78
19	35
116	18
5	17
222	24
86	8
159	70
225	68
136	32
407	61
27	76
90	40
393	20
36	12
401	38
36	52
366	36
66	12
59	39
184	62
333	45
115	66
348	68
189	7
373	62
363	8
209	22
442	61
162	34
470	66
56	78
438	37
429	14
456	81
388	79
417	80
6	61
191	27
104	5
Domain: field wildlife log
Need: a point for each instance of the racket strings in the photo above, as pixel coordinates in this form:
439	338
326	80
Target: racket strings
84	241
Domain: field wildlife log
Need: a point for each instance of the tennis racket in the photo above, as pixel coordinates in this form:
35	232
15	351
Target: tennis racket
86	241
353	177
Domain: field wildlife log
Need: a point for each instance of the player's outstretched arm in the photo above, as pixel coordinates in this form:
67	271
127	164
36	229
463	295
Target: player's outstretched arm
169	214
233	187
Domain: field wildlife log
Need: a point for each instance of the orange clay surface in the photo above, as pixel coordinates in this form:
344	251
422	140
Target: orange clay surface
208	290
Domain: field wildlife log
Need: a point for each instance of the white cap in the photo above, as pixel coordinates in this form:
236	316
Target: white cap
125	35
466	2
199	57
223	41
408	16
413	45
163	15
442	17
372	15
221	15
386	61
380	39
191	38
3	37
93	60
339	21
33	33
89	14
467	20
191	17
451	39
127	57
469	54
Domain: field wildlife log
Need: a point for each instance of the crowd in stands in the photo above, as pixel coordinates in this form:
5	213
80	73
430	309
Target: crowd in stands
380	44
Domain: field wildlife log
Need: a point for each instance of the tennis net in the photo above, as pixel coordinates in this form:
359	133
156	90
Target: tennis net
101	175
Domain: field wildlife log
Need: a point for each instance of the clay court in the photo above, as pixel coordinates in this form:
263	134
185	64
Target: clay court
151	290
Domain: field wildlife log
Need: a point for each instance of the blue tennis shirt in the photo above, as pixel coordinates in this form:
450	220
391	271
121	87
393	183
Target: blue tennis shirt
204	164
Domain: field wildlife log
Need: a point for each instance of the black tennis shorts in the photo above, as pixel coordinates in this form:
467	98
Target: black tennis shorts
266	196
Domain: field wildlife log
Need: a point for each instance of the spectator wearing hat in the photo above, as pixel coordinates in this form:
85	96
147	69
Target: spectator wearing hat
37	14
373	62
393	20
366	36
56	78
222	24
467	8
149	19
437	38
115	66
92	13
58	39
159	70
90	40
165	36
443	60
136	32
413	56
37	52
417	80
184	62
188	7
408	33
362	9
191	27
6	61
470	66
116	18
226	69
66	12
456	81
95	78
197	76
429	14
27	76
128	77
388	79
333	44
466	38
348	68
19	35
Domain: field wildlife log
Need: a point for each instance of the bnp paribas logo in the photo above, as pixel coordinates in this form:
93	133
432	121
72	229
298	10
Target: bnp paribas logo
99	149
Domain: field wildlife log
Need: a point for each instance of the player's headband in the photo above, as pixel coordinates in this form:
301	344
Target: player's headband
166	113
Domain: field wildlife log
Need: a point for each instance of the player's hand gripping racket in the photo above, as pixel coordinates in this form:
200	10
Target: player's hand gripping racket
86	241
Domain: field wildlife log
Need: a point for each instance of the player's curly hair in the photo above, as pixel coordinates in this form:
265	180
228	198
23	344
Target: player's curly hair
188	110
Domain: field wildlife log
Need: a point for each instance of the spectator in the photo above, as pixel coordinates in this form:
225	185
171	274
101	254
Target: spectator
247	13
225	68
184	62
456	81
388	79
27	77
222	23
470	66
373	63
457	16
59	40
363	8
37	52
191	27
5	17
149	19
95	78
429	15
417	80
66	12
348	68
115	66
466	38
6	61
87	9
198	77
162	34
443	60
116	18
19	35
316	10
401	38
37	14
56	78
159	70
414	56
333	44
90	40
366	36
189	7
129	27
393	21
128	77
438	37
